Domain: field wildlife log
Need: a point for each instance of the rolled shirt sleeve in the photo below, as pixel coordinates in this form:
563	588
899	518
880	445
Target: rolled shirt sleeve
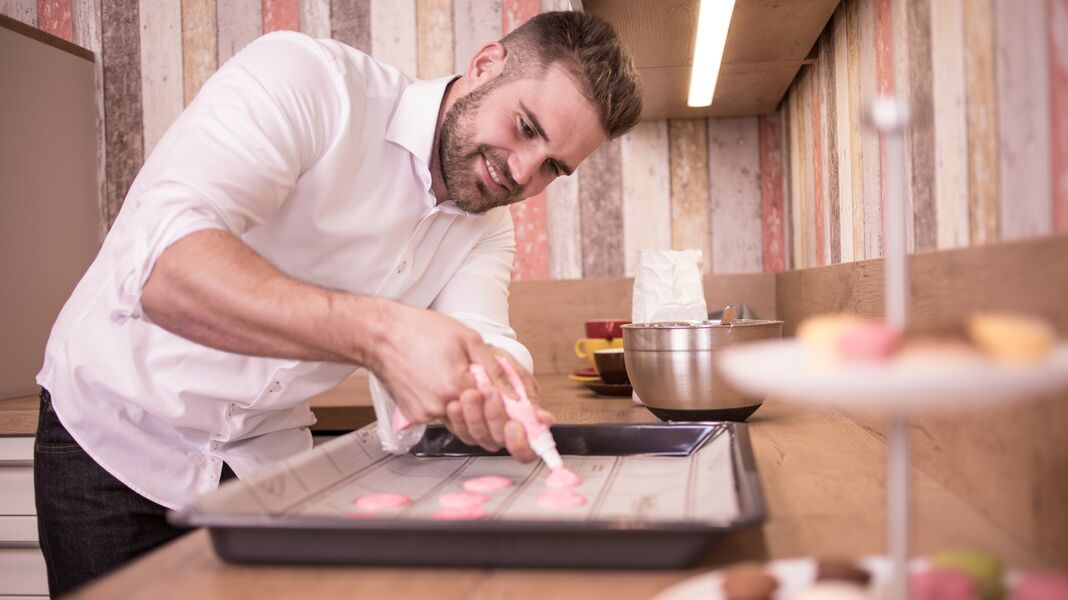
233	156
477	294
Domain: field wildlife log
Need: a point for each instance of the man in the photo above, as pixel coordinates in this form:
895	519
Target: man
297	221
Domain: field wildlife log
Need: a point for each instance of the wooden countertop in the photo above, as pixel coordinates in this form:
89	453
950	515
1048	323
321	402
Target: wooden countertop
346	407
823	481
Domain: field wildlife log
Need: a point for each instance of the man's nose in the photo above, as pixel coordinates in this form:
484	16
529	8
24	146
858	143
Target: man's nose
523	166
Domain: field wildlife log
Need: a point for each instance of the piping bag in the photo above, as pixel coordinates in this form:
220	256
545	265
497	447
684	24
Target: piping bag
518	407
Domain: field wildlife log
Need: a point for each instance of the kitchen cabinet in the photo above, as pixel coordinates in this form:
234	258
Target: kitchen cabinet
22	567
768	42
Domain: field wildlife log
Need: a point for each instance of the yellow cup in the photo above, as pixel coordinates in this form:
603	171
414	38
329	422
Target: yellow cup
585	347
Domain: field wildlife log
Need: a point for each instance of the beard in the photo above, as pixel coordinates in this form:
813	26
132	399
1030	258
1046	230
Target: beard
458	155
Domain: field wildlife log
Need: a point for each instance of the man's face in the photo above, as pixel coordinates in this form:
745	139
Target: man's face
505	141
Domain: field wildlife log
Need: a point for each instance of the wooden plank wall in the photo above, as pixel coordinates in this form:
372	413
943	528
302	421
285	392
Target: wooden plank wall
987	151
987	158
647	190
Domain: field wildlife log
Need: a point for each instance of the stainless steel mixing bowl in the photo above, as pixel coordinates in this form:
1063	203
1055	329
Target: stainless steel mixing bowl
672	367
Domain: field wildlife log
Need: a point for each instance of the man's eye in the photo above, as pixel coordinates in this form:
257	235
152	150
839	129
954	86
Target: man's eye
527	131
553	167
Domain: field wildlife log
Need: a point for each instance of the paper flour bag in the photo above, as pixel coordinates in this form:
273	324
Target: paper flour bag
668	287
394	442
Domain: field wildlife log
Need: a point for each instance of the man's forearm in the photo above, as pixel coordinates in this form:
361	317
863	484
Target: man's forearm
210	287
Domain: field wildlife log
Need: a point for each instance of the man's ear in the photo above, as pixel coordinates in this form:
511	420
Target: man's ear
486	64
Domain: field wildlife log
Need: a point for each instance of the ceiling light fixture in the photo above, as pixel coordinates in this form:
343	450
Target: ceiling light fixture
713	21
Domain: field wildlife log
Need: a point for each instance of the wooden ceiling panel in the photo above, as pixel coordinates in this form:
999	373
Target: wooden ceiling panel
767	43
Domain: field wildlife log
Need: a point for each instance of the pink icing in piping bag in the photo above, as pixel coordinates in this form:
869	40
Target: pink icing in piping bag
400	422
523	410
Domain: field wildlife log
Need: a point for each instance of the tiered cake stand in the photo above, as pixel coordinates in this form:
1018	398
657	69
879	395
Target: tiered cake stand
782	369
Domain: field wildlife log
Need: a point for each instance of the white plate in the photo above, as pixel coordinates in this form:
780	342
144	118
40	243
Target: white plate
782	368
796	575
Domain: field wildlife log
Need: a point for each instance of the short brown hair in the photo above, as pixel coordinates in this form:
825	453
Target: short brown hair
591	51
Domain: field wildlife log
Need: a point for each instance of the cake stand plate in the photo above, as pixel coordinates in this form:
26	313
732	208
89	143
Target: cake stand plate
783	368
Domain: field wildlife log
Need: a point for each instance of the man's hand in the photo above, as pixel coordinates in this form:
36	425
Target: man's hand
479	418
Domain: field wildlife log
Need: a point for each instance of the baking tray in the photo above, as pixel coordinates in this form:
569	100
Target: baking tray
658	496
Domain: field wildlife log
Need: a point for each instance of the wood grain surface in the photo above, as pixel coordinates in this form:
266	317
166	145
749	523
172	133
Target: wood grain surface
646	191
734	183
162	89
981	99
950	121
314	16
199	48
393	34
601	205
690	209
54	17
282	15
1023	92
921	140
772	187
120	42
435	38
1058	62
350	23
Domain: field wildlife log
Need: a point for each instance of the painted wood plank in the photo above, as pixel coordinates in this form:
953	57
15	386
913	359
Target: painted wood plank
884	86
162	93
24	11
646	191
950	119
435	38
393	34
122	99
1058	43
199	50
856	178
530	217
871	143
771	194
54	17
734	180
601	205
564	223
819	204
807	201
314	17
899	19
982	116
829	100
85	21
238	23
1023	92
531	239
350	23
280	15
921	134
797	255
476	22
844	135
691	212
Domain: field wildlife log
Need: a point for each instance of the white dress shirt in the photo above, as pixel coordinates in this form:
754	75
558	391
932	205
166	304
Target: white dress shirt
318	158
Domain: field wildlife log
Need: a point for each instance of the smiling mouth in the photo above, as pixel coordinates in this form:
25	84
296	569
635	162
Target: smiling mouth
494	174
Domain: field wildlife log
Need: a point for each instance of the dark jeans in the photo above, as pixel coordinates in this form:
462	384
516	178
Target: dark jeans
89	523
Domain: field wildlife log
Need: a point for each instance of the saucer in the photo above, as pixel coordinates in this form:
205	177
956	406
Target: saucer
584	374
608	389
581	379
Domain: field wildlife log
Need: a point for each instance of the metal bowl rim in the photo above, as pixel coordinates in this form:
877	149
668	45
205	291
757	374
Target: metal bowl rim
707	324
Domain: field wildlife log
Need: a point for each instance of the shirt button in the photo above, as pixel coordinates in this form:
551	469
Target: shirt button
401	267
274	387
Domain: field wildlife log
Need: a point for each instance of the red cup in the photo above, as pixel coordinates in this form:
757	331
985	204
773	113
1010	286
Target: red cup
605	329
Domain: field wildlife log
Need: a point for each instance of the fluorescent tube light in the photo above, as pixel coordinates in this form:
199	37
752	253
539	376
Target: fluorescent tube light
713	21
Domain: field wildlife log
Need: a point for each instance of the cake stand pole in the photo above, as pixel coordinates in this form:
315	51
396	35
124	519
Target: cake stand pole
889	117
